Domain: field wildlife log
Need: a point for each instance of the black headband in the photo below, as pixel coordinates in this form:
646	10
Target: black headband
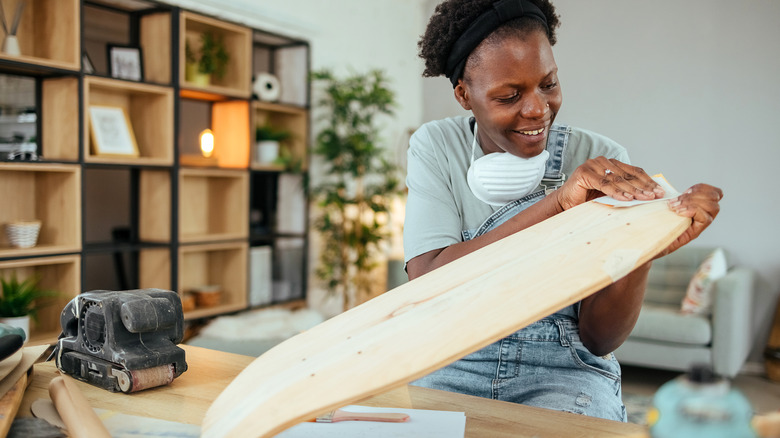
484	25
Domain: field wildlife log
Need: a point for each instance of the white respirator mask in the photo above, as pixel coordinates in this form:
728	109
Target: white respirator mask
500	177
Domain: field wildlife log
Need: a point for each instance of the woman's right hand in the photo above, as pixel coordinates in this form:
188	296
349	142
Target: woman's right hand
602	176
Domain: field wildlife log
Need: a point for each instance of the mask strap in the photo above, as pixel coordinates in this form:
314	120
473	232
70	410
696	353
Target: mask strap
474	143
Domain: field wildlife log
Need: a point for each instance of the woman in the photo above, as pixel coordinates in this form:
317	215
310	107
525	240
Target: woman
474	180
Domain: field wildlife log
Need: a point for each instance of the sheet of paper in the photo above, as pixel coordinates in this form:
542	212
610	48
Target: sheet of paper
670	193
421	423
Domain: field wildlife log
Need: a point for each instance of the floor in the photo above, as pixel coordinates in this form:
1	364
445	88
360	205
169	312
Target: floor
763	394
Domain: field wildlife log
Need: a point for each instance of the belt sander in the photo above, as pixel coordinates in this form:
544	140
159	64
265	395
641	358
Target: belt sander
122	340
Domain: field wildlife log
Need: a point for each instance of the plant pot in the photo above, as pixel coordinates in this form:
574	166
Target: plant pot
267	151
23	234
194	76
23	322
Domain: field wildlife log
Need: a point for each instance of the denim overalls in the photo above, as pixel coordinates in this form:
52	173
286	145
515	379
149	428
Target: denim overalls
544	364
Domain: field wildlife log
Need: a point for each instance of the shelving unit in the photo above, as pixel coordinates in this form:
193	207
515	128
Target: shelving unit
48	33
238	41
150	111
156	220
59	274
285	117
42	192
222	264
212	205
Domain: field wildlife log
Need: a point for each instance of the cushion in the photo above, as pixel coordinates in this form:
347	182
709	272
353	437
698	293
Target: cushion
698	297
668	324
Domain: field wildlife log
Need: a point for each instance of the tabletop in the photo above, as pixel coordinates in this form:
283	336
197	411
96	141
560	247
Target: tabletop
188	397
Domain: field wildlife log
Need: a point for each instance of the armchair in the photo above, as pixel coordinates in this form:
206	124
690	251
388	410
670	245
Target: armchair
666	338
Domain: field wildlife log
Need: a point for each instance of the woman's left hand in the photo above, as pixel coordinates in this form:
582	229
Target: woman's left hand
701	204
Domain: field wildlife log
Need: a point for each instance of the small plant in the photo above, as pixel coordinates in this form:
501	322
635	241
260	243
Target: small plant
268	132
213	56
19	298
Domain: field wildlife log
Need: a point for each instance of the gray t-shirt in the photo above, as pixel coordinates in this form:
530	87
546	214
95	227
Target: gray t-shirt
440	204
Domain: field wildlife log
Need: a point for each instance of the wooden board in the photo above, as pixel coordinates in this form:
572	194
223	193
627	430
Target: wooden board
9	404
408	332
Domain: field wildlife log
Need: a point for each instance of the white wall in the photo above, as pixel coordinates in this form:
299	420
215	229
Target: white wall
692	89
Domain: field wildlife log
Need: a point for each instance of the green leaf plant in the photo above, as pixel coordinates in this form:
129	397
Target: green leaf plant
355	196
20	298
212	58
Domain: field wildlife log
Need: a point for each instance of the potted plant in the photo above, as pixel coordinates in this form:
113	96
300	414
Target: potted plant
268	139
210	61
20	301
358	185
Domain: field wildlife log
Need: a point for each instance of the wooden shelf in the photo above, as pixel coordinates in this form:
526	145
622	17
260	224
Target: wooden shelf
223	264
282	117
60	119
213	205
155	206
48	33
155	37
154	268
150	111
60	274
46	192
238	41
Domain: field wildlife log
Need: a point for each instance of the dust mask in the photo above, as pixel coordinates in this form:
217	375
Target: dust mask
500	177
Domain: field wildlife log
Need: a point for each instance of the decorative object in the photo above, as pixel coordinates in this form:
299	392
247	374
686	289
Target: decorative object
206	158
11	43
187	302
112	133
698	296
355	197
125	62
206	140
267	144
208	296
23	234
663	337
266	87
86	63
21	300
207	62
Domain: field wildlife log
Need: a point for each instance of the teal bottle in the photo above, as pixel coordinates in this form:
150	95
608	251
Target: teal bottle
700	404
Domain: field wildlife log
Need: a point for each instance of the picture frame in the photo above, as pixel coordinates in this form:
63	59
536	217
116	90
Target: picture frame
111	132
86	63
125	62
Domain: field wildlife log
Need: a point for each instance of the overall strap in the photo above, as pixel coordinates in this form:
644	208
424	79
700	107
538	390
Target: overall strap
557	140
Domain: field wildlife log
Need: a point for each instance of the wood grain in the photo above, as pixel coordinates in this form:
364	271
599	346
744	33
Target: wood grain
9	404
401	335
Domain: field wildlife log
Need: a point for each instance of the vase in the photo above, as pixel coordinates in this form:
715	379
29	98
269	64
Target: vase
22	322
23	234
11	46
267	151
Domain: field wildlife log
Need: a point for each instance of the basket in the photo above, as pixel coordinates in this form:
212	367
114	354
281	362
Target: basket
23	234
208	296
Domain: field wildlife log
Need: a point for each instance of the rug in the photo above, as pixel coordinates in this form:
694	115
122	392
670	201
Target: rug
637	407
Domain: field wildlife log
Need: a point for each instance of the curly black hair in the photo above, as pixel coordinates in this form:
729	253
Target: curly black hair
452	17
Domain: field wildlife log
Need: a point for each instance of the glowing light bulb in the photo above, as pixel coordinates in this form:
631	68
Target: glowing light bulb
207	143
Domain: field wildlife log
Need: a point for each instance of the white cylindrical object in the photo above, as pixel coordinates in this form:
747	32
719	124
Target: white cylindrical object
11	45
267	151
267	88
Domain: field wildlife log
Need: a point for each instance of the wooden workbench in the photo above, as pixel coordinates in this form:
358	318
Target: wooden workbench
188	397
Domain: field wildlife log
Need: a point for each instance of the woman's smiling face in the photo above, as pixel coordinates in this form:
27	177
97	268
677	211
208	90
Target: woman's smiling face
512	89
